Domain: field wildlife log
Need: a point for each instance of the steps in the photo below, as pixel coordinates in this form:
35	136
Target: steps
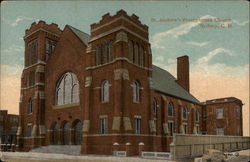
59	149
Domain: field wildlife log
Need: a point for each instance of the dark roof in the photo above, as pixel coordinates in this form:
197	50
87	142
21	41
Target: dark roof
84	37
166	83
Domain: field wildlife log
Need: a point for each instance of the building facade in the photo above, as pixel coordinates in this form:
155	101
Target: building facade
8	127
101	90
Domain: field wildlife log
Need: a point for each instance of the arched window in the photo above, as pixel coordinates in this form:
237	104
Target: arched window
54	132
30	106
131	50
141	56
66	132
184	113
197	115
105	91
136	91
67	89
136	53
170	109
154	106
78	133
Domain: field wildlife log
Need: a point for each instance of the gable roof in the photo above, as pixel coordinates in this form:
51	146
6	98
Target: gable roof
166	83
84	37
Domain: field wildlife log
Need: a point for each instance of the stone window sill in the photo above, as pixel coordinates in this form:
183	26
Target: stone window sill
65	106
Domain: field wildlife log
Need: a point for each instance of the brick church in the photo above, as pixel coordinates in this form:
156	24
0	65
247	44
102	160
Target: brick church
102	92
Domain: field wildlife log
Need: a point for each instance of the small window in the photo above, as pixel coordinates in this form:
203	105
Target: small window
14	129
137	126
105	91
170	109
131	50
220	131
136	91
185	128
136	54
197	115
219	113
104	125
30	106
171	128
204	114
29	131
50	45
154	106
197	129
184	113
1	129
141	56
1	117
32	52
31	79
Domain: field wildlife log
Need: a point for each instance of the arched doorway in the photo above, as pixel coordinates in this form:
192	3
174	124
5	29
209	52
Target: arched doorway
66	133
78	133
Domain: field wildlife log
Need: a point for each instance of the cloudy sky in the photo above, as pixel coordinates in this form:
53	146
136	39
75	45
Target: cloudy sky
218	50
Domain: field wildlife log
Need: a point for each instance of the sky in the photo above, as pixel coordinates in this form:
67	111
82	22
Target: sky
214	34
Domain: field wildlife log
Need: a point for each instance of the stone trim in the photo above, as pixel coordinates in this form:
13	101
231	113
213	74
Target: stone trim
121	74
127	123
40	29
123	134
88	81
85	126
40	69
38	62
65	106
152	126
103	116
37	84
117	19
117	59
115	30
121	37
116	123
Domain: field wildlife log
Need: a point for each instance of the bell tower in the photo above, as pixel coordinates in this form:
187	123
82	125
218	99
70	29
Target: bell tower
40	40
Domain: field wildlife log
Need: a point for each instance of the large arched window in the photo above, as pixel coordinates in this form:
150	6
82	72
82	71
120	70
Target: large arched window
170	109
30	106
184	113
67	90
78	133
54	132
105	91
136	91
66	133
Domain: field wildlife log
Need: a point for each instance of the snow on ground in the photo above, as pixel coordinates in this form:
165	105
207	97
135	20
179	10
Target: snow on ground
51	157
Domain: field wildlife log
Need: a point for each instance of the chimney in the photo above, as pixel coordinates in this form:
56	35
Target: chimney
183	72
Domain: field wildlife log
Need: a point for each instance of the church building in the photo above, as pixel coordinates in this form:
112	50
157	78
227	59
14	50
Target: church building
101	91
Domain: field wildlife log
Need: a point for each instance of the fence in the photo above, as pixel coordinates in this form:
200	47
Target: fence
187	146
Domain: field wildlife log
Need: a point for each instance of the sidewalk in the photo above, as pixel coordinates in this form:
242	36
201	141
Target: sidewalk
50	157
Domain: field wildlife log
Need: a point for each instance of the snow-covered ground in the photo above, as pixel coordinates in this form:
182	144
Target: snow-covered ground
52	157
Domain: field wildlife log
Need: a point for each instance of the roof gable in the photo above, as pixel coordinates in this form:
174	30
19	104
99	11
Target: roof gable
84	37
166	83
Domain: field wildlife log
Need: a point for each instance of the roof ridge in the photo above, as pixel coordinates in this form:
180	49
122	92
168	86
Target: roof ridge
77	29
